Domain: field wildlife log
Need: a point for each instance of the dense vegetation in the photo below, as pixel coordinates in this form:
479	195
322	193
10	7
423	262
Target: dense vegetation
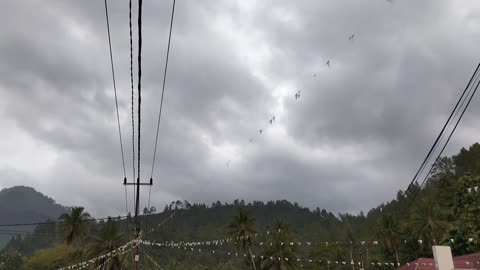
443	211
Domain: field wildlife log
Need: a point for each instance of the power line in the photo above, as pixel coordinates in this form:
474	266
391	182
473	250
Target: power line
58	222
139	98
116	106
427	158
137	203
161	103
61	222
131	84
148	205
115	89
163	88
449	137
31	234
14	231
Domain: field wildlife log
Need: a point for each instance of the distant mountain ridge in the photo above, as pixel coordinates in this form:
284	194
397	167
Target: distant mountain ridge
21	204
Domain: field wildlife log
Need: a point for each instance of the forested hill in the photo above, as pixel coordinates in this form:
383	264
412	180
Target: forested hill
445	210
204	222
22	204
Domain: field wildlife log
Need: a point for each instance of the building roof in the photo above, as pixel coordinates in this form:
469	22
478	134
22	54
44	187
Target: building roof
470	261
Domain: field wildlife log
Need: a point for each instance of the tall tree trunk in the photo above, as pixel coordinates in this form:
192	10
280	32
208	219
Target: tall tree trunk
253	261
367	263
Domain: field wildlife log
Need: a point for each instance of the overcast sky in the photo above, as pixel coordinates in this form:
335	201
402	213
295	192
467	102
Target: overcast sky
356	135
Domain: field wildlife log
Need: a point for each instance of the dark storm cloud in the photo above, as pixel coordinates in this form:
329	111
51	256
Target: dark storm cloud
356	135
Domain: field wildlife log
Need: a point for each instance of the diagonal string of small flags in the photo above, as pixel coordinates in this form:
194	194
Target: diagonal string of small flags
299	243
472	189
309	260
222	241
120	250
161	224
100	266
226	241
237	254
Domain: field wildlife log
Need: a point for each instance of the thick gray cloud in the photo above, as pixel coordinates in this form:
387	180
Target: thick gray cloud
356	135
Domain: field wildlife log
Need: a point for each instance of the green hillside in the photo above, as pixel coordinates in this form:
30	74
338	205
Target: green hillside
22	204
445	210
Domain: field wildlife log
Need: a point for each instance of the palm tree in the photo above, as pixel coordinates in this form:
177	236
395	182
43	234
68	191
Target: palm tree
241	229
389	231
73	225
108	239
350	240
427	222
283	254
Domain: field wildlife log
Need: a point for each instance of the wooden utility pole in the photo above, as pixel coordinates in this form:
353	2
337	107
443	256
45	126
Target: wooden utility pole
136	230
